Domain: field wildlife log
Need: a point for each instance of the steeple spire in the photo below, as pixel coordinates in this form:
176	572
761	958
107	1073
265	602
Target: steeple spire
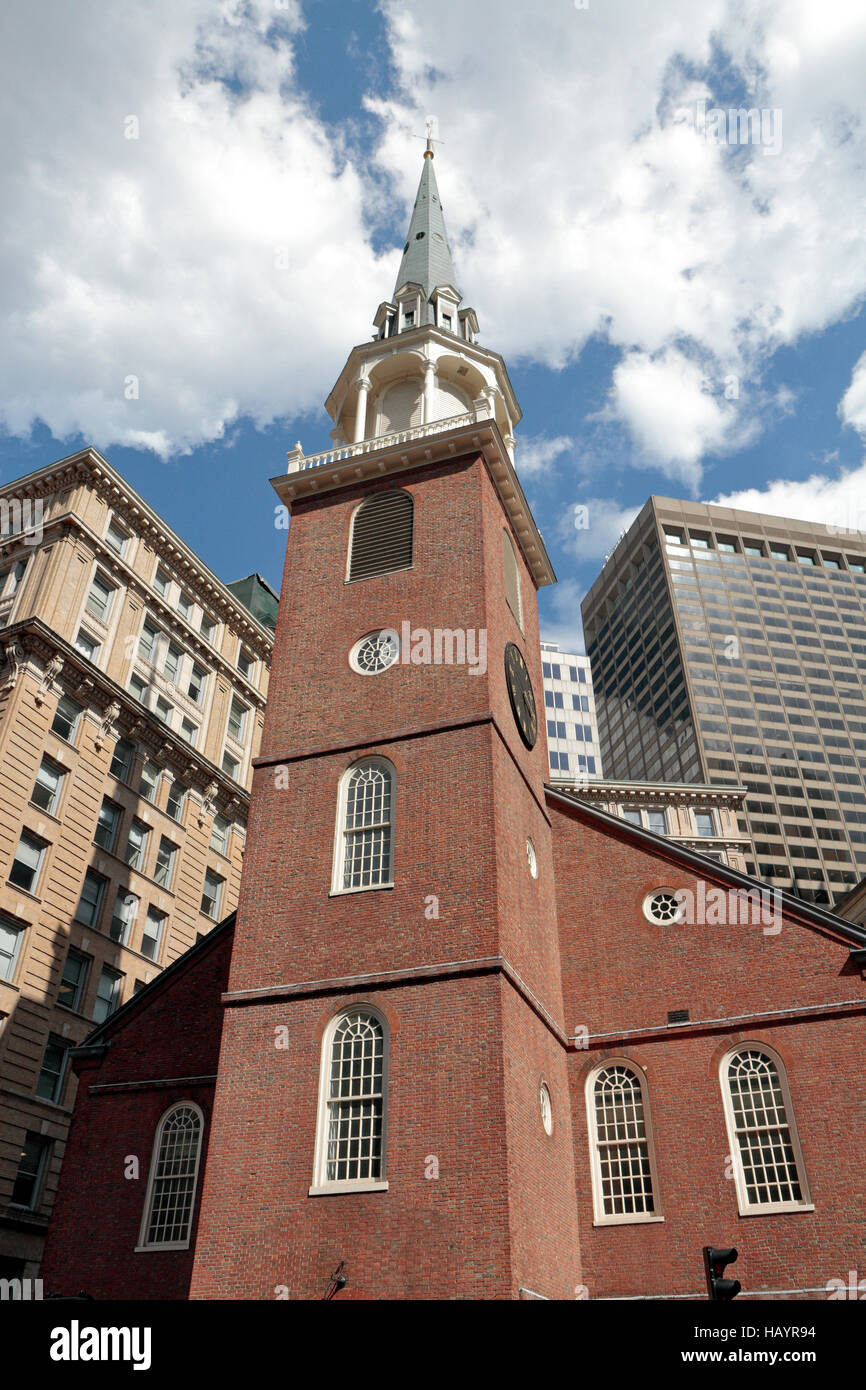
427	255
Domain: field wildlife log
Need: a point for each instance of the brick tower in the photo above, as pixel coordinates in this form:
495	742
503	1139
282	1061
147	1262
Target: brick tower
392	1034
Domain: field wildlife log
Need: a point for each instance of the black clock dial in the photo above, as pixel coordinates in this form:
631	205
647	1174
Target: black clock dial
520	694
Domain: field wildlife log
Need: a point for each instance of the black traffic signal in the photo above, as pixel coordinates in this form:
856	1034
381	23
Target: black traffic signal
718	1289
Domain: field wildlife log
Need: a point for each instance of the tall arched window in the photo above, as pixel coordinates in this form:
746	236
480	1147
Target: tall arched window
624	1182
172	1181
512	578
381	539
768	1164
350	1144
365	820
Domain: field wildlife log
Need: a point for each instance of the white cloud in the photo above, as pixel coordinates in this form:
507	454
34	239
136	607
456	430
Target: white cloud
204	258
565	626
852	407
831	501
590	528
537	456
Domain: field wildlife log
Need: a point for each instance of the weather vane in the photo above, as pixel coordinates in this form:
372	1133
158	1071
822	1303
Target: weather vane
431	124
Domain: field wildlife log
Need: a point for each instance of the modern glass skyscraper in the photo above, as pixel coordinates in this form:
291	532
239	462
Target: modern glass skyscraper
728	644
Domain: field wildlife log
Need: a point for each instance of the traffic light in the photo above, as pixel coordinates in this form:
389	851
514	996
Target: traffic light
718	1289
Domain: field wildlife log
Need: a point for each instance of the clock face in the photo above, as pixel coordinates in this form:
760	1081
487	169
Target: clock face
520	692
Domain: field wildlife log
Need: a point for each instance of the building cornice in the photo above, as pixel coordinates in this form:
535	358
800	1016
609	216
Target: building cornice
361	462
653	793
89	466
123	716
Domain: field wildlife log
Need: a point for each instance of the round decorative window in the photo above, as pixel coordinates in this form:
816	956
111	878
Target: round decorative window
546	1109
532	858
663	907
375	652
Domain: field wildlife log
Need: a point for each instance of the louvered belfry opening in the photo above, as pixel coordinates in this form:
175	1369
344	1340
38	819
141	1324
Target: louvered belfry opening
382	535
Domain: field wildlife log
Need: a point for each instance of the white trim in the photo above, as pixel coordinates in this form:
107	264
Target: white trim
600	1216
339	854
321	1186
747	1208
142	1245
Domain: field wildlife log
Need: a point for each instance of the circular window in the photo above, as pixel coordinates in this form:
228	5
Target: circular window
375	652
532	858
546	1109
663	907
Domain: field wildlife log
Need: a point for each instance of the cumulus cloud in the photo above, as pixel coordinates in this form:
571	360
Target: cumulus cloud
177	228
832	501
852	407
538	455
590	528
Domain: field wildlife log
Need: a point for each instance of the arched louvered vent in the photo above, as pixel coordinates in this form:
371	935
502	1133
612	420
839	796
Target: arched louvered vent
381	535
512	578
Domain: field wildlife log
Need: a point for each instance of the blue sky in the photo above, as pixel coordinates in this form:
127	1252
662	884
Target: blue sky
628	262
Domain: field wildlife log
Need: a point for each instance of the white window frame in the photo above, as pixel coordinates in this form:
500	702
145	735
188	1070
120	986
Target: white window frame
600	1216
747	1208
10	925
122	535
340	834
87	646
220	883
40	862
321	1186
143	1247
153	916
54	798
98	578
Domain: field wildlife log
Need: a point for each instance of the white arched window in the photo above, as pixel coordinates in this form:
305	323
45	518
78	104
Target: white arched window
624	1185
172	1181
512	578
365	821
767	1162
350	1143
382	535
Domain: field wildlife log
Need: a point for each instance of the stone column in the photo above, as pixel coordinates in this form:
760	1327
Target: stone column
429	391
363	386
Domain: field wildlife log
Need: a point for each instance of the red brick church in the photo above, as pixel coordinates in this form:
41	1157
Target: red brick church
467	1037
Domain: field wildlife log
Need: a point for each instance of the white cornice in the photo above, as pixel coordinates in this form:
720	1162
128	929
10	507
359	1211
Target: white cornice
483	436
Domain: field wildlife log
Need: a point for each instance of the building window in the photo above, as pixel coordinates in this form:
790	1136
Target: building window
237	720
31	1168
10	579
633	817
769	1165
165	863
512	578
230	766
195	689
90	902
86	645
51	1075
116	537
623	1177
184	605
365	826
189	731
11	936
351	1135
219	835
136	845
212	895
176	798
138	687
66	719
121	763
107	994
173	1177
99	598
27	863
149	780
72	981
382	535
107	825
163	710
161	581
123	917
49	783
207	628
171	667
705	823
245	664
151	935
147	642
656	822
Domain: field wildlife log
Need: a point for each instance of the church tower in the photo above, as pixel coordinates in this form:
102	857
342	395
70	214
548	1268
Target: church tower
392	1094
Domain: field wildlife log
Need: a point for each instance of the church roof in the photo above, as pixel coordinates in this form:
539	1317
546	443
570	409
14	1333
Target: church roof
427	255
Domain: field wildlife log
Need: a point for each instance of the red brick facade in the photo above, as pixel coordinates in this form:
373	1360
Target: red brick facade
484	975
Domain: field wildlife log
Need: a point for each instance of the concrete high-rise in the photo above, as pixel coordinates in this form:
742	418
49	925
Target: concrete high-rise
731	645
